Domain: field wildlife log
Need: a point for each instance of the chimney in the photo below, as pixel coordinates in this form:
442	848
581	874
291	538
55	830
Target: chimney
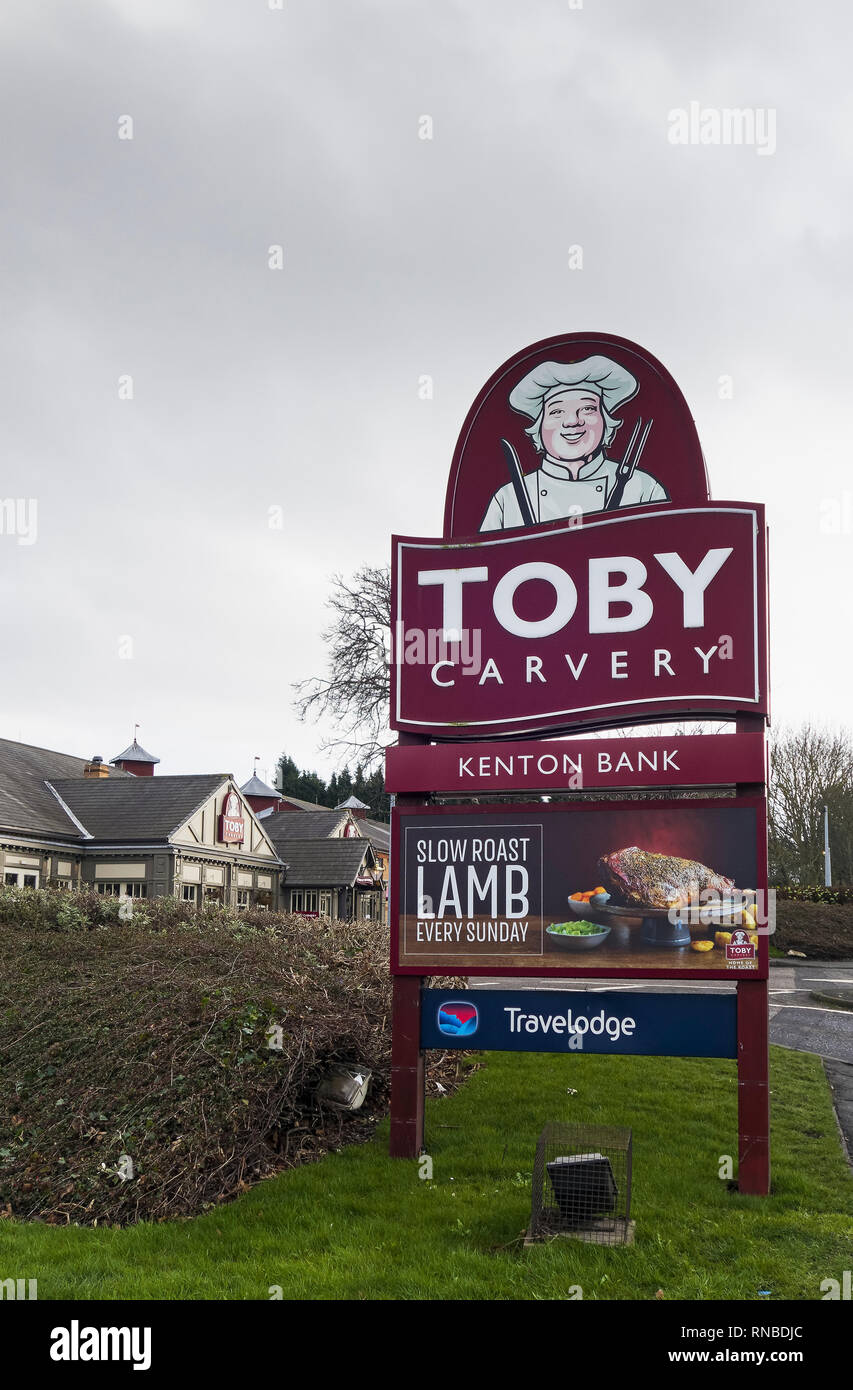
96	768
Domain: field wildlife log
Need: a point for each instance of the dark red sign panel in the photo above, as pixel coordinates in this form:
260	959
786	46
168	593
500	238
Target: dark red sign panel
572	765
584	422
620	619
656	889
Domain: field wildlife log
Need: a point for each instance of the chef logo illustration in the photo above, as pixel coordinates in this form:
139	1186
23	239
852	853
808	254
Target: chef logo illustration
232	806
572	408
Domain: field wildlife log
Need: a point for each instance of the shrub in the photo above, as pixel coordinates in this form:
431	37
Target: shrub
813	893
150	1039
822	931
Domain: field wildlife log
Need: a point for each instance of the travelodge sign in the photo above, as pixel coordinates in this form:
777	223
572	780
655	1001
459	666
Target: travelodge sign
584	576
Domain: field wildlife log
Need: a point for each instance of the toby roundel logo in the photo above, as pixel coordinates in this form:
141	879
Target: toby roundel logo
741	947
457	1019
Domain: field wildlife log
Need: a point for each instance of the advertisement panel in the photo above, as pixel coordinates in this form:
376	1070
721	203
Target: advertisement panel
661	889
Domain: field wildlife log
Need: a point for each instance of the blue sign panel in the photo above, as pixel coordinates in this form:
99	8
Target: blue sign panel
527	1020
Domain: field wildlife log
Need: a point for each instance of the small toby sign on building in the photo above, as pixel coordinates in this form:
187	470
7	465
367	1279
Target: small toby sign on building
232	826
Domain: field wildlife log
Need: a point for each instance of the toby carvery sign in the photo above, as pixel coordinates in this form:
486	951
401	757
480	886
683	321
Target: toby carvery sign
584	575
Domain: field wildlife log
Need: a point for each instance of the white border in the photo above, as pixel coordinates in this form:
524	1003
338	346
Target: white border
491	826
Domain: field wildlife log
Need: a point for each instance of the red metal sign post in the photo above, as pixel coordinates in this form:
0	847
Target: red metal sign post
753	1087
753	1063
407	1069
407	1059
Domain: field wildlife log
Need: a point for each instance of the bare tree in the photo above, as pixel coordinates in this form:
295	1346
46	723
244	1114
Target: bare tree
354	693
672	729
810	768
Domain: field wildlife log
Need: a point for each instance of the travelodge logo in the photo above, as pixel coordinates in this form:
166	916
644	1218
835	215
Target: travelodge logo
457	1019
231	823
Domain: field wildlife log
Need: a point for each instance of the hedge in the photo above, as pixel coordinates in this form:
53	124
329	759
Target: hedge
143	1047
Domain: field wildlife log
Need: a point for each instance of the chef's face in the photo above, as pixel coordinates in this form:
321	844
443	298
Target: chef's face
572	426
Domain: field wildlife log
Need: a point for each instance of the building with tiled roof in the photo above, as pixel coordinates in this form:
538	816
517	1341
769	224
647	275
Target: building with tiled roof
77	823
331	868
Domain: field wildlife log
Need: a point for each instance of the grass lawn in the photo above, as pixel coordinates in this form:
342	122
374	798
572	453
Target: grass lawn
360	1225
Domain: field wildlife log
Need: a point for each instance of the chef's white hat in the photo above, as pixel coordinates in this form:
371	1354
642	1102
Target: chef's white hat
614	384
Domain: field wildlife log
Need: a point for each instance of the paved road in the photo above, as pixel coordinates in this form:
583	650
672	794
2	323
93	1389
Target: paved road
811	1025
797	1020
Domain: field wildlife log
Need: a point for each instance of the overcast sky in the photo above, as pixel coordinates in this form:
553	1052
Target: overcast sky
297	388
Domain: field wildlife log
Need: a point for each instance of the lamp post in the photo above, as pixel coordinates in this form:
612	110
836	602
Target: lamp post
827	861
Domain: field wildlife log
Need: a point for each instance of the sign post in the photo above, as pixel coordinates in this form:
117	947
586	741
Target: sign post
407	1058
580	587
753	1089
407	1069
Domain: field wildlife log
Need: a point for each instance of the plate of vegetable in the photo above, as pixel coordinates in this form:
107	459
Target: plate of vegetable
585	905
577	935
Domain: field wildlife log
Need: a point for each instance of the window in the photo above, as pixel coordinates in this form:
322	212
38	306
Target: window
21	878
63	883
189	893
212	895
123	890
243	896
325	899
368	904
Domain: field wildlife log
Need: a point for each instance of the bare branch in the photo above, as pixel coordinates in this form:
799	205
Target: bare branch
355	692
